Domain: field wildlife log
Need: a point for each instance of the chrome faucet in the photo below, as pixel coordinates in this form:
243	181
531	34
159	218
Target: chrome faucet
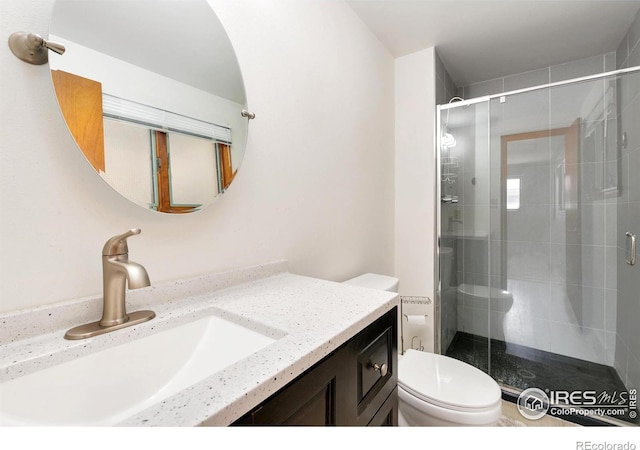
117	272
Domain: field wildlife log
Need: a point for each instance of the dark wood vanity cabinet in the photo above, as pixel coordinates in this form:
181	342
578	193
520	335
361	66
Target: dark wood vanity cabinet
354	385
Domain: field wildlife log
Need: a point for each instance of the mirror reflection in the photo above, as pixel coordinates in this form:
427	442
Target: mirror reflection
152	93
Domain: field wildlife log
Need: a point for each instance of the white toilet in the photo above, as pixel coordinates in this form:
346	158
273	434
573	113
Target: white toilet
436	390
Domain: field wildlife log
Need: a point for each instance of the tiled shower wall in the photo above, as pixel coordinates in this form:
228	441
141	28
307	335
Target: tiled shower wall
574	69
446	89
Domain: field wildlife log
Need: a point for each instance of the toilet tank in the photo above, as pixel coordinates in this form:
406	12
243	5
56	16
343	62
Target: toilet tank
375	281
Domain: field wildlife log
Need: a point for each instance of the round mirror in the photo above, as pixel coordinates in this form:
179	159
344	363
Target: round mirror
152	93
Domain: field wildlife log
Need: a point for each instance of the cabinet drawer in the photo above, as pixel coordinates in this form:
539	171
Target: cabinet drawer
374	364
374	354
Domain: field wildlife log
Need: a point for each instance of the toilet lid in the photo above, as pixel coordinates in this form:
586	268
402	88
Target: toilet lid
446	381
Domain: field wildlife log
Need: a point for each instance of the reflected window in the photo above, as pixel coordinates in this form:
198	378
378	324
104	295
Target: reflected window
183	162
513	194
193	169
127	160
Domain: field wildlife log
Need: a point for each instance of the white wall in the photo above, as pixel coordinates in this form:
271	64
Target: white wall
414	183
315	187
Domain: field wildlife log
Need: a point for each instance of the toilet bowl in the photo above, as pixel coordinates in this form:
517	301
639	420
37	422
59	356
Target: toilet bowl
436	390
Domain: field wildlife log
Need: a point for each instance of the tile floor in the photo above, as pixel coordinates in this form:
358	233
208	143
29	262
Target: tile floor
523	367
511	417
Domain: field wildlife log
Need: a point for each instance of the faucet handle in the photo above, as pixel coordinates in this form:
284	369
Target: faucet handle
117	245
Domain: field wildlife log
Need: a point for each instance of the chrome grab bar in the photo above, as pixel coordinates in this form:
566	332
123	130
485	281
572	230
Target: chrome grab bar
631	260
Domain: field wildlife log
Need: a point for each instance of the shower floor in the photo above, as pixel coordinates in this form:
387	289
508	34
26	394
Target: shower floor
523	367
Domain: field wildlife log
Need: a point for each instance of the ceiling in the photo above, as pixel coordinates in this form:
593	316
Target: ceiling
479	40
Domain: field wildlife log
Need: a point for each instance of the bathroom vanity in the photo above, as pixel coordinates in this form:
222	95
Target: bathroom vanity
327	355
354	385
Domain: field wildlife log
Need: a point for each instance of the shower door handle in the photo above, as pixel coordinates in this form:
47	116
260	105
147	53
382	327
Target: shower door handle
631	248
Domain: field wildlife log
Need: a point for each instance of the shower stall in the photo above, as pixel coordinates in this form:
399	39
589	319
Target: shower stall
537	218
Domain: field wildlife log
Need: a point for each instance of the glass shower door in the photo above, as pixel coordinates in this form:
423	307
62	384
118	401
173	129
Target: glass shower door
624	342
464	233
563	198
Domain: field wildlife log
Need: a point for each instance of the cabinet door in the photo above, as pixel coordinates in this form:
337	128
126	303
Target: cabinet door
313	399
387	415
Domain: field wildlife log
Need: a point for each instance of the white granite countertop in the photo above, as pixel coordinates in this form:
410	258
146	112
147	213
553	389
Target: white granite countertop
308	317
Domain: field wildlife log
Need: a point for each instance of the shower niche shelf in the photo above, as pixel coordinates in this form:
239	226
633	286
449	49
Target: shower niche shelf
449	169
450	161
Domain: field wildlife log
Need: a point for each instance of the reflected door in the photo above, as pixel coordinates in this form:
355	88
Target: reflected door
540	198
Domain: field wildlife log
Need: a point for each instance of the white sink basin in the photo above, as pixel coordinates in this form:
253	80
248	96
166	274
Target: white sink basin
106	387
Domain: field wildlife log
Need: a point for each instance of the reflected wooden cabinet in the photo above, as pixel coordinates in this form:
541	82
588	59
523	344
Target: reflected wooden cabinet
80	101
354	385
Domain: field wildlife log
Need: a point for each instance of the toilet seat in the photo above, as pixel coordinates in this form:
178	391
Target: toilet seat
446	382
